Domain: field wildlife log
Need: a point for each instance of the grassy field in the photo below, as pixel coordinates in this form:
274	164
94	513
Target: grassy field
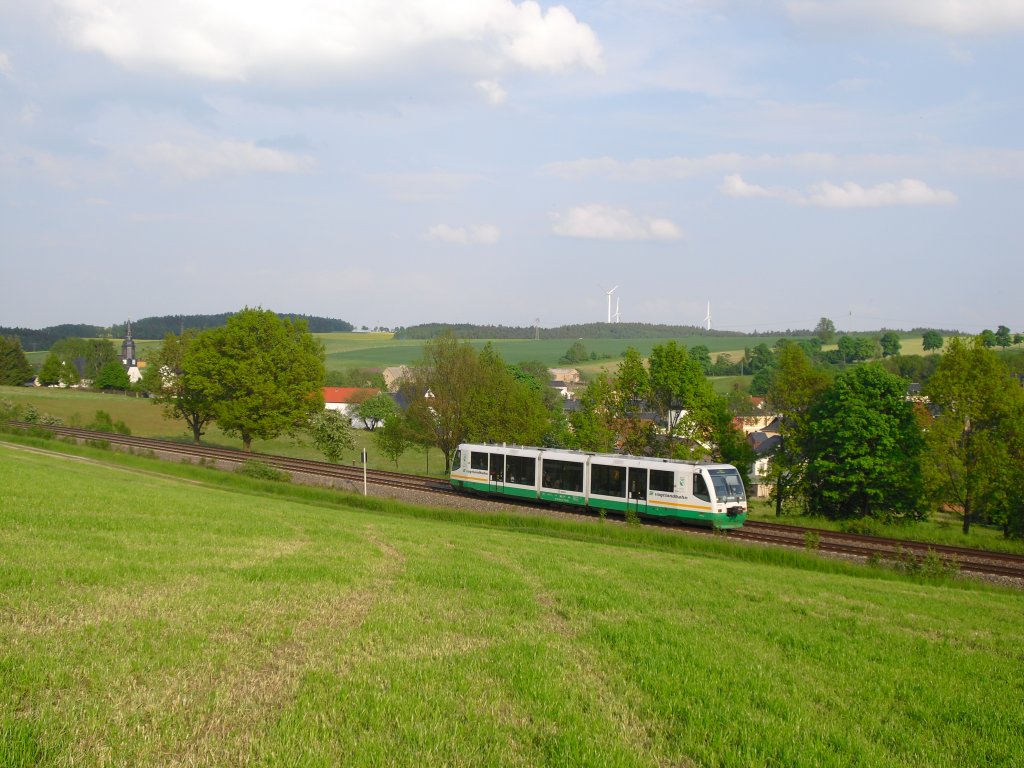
145	419
377	350
151	620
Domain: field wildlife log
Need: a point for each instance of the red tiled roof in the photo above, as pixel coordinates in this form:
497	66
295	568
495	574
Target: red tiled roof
348	395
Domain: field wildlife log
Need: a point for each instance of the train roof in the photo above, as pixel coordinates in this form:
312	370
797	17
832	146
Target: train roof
595	454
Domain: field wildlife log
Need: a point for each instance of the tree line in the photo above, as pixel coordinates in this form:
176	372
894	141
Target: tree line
35	340
854	445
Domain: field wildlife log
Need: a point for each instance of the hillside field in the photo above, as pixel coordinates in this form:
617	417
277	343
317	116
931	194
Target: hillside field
379	350
152	620
77	408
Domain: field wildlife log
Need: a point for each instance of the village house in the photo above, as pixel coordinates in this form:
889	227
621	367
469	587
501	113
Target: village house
345	400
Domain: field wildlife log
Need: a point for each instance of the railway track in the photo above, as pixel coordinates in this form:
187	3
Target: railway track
892	550
981	562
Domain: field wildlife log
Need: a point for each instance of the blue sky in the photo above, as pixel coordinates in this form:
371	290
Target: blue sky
392	163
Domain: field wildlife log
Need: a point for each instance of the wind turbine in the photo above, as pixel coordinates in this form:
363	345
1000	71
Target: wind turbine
613	290
616	315
707	318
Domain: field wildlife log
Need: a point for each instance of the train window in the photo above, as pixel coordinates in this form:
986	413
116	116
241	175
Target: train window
607	481
728	485
700	488
457	461
563	475
637	483
521	470
478	460
498	467
663	481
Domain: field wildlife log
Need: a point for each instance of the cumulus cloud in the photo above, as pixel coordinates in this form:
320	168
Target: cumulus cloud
223	158
484	234
848	195
604	222
954	17
242	39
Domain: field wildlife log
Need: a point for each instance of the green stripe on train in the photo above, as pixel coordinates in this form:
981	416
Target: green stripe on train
720	521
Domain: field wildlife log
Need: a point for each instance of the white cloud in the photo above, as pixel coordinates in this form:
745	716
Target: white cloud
603	222
492	91
6	69
226	157
241	39
903	192
485	234
954	17
735	186
848	195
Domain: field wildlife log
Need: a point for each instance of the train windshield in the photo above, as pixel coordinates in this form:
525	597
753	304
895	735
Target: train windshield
728	486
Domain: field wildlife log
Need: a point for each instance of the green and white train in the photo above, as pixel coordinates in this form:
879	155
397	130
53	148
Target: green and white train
686	490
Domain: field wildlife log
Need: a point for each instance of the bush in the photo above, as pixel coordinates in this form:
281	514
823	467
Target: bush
812	541
260	470
863	526
102	422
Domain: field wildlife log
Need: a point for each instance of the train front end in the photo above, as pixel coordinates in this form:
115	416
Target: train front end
729	502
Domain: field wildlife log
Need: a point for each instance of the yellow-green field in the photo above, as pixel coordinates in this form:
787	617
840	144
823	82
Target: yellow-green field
194	619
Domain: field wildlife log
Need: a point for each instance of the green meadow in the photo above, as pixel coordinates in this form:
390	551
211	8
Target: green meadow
157	614
377	350
78	408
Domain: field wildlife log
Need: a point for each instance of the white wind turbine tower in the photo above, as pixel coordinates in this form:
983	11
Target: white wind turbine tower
707	318
617	316
610	301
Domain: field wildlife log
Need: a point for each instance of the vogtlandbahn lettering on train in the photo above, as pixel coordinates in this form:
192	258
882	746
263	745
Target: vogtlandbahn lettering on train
687	490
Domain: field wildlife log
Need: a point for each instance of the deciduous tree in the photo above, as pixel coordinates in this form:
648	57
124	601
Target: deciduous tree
394	438
15	368
825	330
795	387
931	340
864	449
165	380
331	434
976	437
890	343
594	422
57	371
375	410
112	376
262	373
439	391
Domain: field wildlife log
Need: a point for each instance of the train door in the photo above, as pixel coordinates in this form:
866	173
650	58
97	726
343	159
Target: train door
497	473
636	489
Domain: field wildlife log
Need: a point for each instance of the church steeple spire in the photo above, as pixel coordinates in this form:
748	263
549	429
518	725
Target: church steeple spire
128	347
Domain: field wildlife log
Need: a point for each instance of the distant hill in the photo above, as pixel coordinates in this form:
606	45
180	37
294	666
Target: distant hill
582	331
34	340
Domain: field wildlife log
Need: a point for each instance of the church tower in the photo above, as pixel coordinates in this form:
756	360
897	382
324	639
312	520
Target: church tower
128	359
